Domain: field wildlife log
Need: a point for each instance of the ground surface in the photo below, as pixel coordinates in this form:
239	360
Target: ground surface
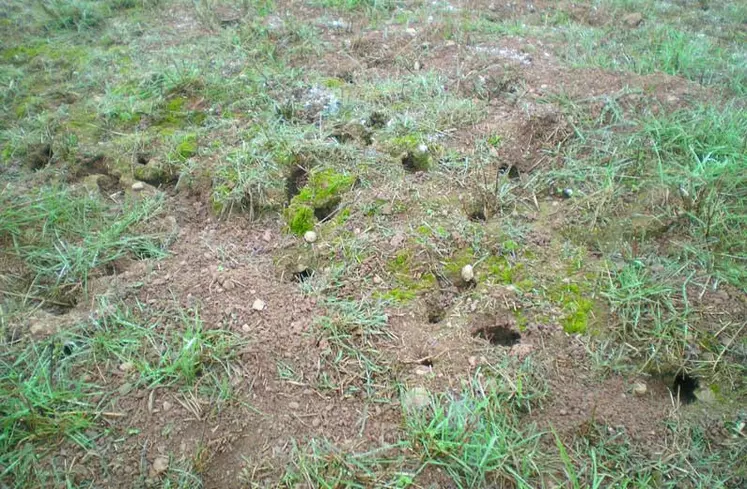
361	243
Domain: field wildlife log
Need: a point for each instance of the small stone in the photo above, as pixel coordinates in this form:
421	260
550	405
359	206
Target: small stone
293	405
259	305
633	20
245	328
563	412
316	422
640	389
125	389
468	274
126	366
567	193
377	280
411	31
416	399
159	467
42	330
397	240
473	362
138	186
422	370
309	236
167	406
267	236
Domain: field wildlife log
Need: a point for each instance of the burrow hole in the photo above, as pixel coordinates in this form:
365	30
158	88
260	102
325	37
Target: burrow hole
303	275
296	180
477	215
499	335
426	362
684	387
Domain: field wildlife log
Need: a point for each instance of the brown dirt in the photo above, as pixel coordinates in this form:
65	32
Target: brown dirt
223	266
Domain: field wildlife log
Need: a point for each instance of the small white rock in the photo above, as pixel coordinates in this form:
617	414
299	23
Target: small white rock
468	273
167	406
159	467
126	366
640	389
259	305
138	186
377	280
309	236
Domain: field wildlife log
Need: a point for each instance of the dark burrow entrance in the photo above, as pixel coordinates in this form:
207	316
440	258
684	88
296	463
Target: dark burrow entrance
684	387
297	178
498	335
303	275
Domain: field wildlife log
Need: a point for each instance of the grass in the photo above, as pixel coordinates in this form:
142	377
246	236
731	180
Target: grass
65	237
284	121
46	404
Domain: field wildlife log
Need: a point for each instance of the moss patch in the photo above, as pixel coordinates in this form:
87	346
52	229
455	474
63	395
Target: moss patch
317	199
577	309
411	277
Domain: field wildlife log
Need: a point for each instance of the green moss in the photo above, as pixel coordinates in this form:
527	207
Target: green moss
186	147
317	199
577	309
410	276
333	83
300	218
323	187
175	114
415	155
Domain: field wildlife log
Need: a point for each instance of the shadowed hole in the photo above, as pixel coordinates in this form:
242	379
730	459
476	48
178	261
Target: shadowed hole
426	362
498	335
295	181
477	215
684	387
511	170
303	275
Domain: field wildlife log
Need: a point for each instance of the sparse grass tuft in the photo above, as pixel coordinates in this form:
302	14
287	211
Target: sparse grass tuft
64	237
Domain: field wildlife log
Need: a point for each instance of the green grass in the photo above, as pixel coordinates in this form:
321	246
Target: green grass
45	403
65	237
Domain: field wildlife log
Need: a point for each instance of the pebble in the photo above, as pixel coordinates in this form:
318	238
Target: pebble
167	406
309	236
245	328
416	399
42	330
633	20
138	186
640	389
259	305
468	273
159	467
377	280
126	366
563	412
316	423
293	405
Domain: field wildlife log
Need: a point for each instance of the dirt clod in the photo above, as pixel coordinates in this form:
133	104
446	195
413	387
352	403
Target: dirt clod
159	466
633	20
640	389
416	399
259	305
